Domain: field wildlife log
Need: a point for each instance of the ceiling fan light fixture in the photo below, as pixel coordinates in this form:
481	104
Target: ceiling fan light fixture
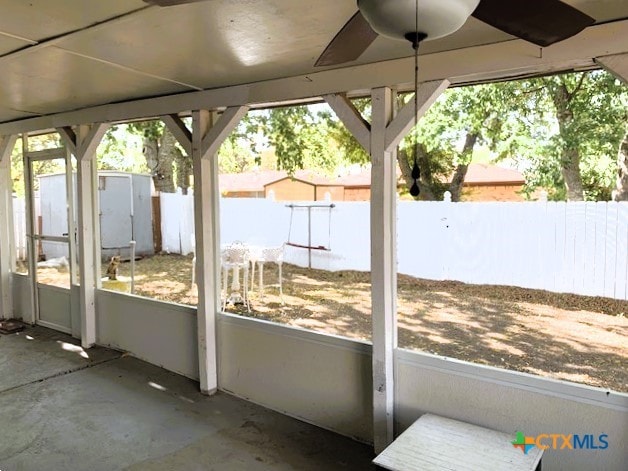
437	18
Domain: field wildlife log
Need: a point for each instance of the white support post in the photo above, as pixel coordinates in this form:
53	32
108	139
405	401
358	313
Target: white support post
7	143
352	119
381	139
383	268
404	121
83	144
207	136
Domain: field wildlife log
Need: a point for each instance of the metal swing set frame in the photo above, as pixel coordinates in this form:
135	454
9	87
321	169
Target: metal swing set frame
309	245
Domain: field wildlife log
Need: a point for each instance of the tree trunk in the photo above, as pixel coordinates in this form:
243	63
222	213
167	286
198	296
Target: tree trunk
570	168
160	165
570	156
182	163
457	181
621	192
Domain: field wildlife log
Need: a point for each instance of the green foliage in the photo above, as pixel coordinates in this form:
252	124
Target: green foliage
148	129
302	138
350	149
235	156
121	150
44	167
592	123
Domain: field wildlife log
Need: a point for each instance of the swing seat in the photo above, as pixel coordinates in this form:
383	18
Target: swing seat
313	247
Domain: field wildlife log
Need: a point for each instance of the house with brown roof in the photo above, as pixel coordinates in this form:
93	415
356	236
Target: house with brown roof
491	183
304	185
482	183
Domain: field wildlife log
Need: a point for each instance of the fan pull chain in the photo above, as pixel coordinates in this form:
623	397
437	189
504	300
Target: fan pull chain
416	41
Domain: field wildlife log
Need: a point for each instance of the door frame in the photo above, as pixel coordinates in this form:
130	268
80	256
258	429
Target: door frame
34	238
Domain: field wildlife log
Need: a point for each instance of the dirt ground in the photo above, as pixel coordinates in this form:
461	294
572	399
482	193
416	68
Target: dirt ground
575	338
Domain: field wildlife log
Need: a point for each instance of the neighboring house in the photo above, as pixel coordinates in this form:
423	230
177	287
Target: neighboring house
482	183
491	183
248	184
357	187
304	186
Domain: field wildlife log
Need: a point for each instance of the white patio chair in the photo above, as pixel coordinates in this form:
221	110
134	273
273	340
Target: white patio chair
235	257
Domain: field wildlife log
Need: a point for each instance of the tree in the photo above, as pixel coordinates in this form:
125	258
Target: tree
239	153
449	133
40	167
163	155
301	138
621	190
584	118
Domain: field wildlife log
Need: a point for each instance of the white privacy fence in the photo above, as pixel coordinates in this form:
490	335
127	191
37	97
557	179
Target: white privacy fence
579	248
19	224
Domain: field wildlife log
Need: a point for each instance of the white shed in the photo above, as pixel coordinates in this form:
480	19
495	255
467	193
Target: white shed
125	213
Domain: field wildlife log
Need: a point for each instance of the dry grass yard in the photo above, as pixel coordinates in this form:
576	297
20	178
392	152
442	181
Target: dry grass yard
575	338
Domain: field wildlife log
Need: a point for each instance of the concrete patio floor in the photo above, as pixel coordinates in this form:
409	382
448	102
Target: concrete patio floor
65	408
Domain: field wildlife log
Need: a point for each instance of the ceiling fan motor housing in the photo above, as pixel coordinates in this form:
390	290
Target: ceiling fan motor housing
397	18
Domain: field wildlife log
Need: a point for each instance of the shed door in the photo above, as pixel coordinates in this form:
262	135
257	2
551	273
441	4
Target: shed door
116	211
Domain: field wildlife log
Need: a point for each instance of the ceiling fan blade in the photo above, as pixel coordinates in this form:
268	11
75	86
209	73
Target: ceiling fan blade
350	42
169	3
542	22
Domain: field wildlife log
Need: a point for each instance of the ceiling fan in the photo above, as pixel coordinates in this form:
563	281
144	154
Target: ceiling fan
542	22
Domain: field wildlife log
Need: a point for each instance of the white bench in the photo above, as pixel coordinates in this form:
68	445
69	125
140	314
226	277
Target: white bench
435	443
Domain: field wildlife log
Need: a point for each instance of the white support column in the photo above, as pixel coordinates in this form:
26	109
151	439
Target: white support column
381	139
616	64
7	143
383	268
83	144
208	133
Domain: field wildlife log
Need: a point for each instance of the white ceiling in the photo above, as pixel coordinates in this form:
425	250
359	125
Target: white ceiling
62	55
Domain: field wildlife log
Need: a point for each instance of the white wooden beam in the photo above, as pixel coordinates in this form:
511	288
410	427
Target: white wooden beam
7	143
84	142
406	118
221	130
69	138
208	133
508	59
88	140
616	64
180	131
383	268
351	118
